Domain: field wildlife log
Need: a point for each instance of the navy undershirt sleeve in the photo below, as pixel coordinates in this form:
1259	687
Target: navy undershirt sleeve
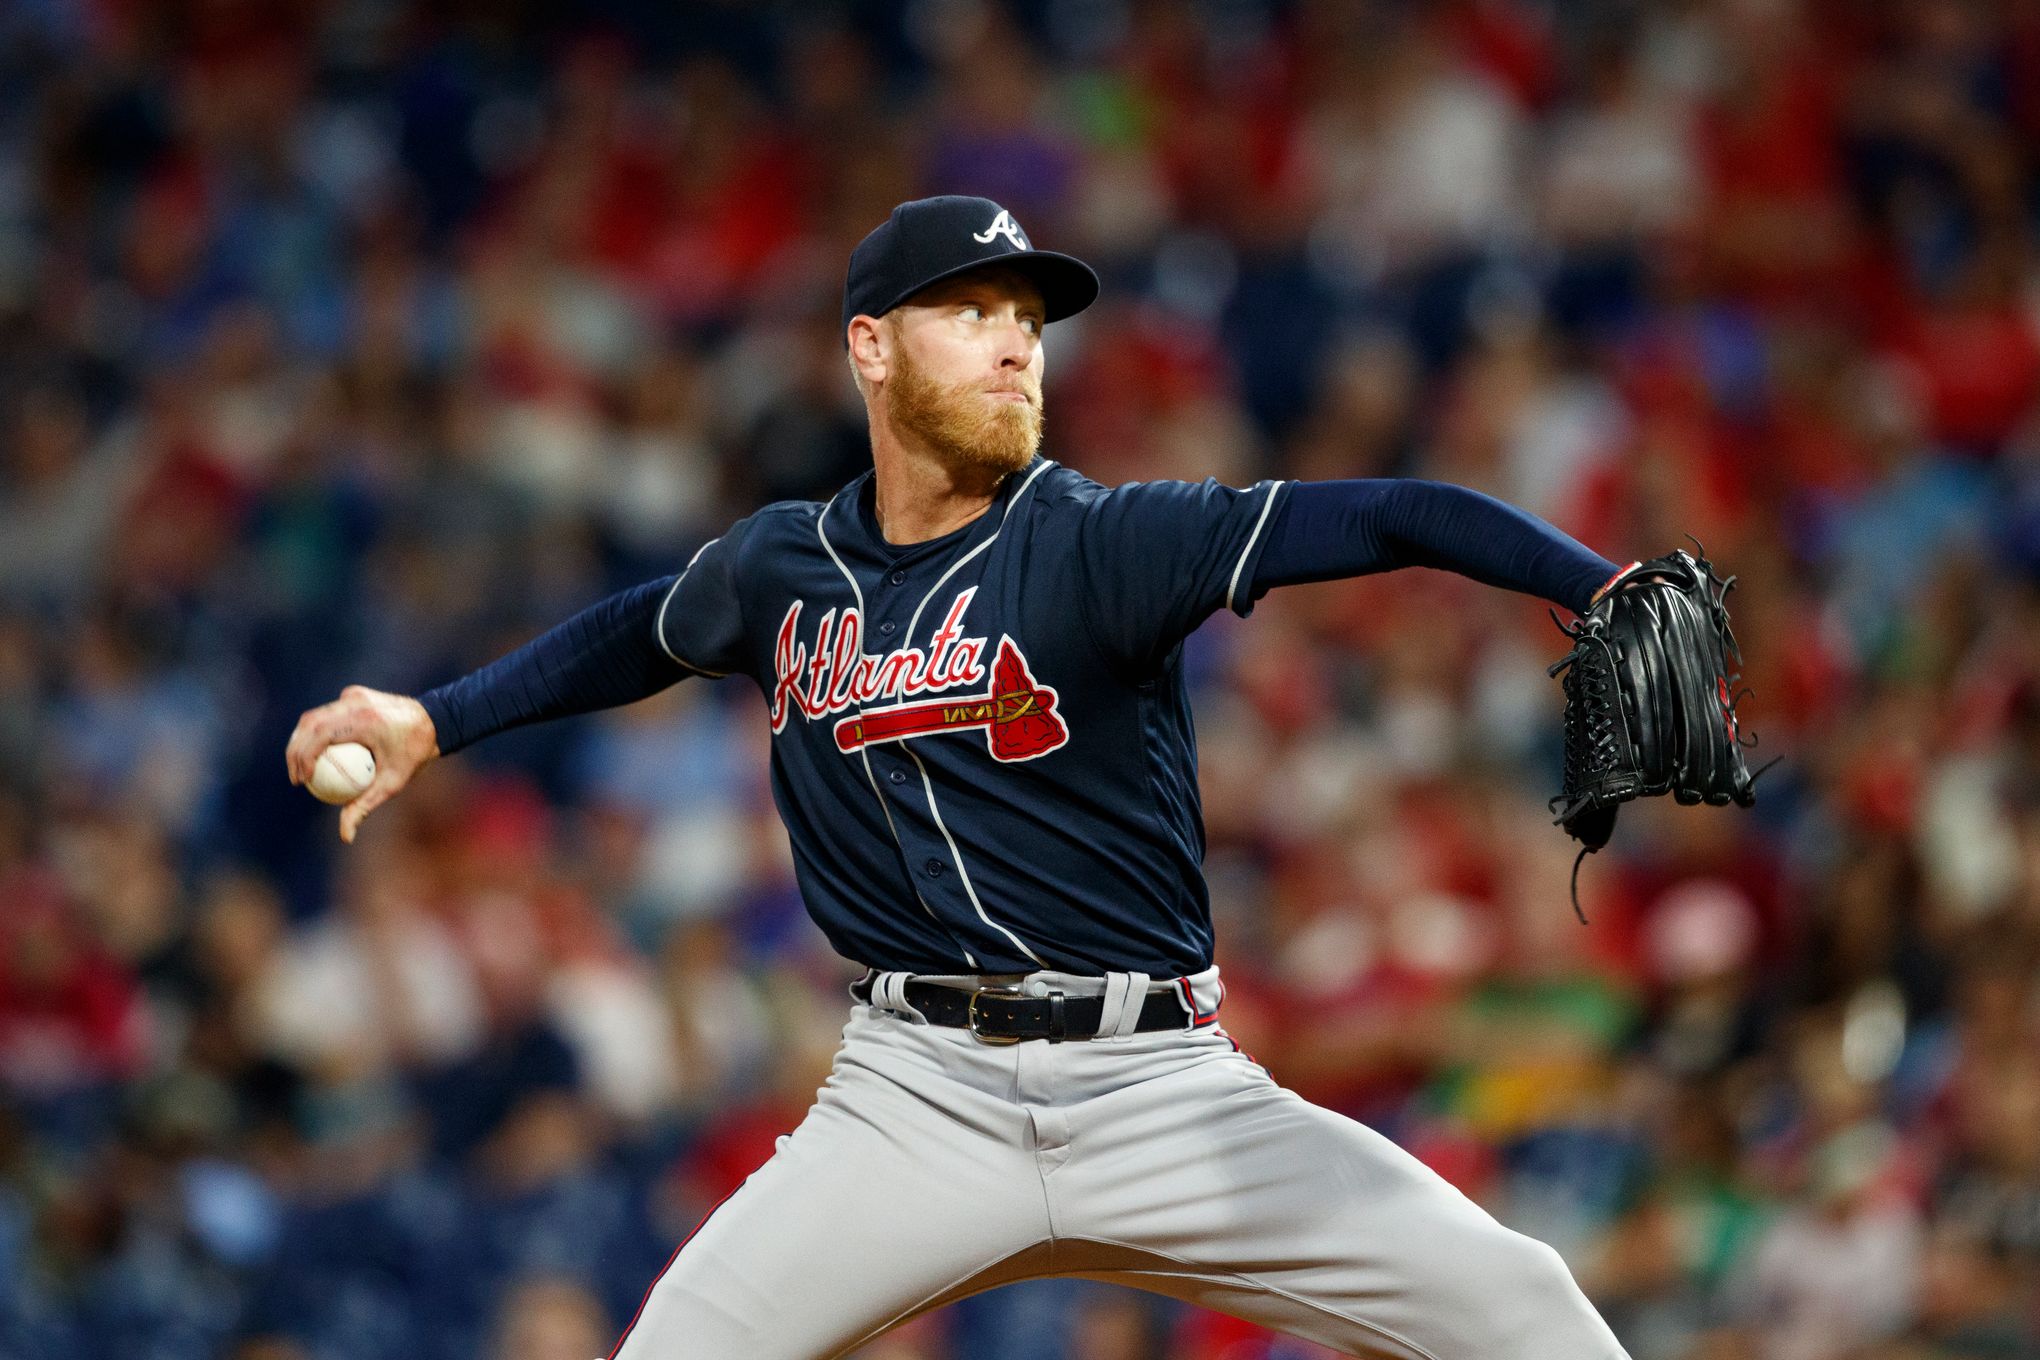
1328	530
606	655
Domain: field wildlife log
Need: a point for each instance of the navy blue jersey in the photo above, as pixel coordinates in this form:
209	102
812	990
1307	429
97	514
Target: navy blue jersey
981	745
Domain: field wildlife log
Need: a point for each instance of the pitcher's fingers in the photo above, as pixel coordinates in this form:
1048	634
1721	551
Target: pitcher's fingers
379	791
328	725
306	741
317	729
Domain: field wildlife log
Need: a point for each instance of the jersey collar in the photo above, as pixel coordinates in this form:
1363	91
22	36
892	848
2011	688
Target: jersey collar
852	523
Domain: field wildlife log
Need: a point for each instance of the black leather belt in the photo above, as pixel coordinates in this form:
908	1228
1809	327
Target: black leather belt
1005	1017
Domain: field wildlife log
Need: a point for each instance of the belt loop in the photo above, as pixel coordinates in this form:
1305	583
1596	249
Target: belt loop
1125	994
1058	1023
1193	991
889	992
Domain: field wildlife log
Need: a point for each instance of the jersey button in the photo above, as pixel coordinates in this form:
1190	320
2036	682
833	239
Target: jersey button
900	777
898	578
933	868
887	627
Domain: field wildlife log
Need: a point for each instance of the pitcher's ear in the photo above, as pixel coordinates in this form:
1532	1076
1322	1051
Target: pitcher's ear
869	348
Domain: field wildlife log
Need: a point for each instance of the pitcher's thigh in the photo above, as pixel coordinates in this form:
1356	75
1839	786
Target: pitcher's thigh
1254	1202
856	1223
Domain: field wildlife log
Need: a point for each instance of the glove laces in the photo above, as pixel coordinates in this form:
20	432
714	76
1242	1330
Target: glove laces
1590	746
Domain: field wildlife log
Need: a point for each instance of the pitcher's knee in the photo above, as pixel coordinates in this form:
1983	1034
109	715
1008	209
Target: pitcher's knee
1526	1296
1539	1267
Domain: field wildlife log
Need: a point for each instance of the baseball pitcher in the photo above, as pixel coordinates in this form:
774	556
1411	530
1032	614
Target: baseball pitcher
982	750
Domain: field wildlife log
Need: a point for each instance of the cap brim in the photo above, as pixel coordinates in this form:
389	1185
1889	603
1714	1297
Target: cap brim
1067	284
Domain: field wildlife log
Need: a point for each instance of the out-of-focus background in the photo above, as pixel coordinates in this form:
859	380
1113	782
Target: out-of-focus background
360	340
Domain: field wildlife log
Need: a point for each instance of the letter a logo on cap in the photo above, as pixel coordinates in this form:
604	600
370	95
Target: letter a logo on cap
1002	225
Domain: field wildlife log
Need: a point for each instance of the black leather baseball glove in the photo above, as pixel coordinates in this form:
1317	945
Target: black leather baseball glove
1650	699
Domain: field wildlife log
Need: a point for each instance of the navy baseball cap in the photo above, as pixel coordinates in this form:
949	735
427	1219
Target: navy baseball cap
931	239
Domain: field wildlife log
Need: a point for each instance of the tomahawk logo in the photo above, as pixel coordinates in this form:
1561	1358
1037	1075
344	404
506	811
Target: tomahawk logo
1017	713
1003	225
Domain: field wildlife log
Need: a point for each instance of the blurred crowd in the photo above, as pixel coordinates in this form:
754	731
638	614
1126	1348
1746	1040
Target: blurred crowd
360	340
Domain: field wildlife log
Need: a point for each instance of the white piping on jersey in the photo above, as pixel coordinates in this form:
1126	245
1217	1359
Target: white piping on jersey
659	621
962	872
822	533
1233	586
907	640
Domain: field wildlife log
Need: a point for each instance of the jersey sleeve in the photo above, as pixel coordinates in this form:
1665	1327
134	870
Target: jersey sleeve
1326	530
1158	558
700	623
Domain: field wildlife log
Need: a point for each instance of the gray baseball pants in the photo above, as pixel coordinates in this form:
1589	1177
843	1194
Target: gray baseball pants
934	1166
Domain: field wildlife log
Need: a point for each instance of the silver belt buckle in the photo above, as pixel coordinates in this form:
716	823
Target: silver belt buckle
970	1016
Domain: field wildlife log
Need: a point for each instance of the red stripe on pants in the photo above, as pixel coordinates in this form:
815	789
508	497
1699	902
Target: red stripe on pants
618	1348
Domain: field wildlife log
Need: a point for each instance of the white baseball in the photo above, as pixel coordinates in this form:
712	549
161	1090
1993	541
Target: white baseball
344	770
